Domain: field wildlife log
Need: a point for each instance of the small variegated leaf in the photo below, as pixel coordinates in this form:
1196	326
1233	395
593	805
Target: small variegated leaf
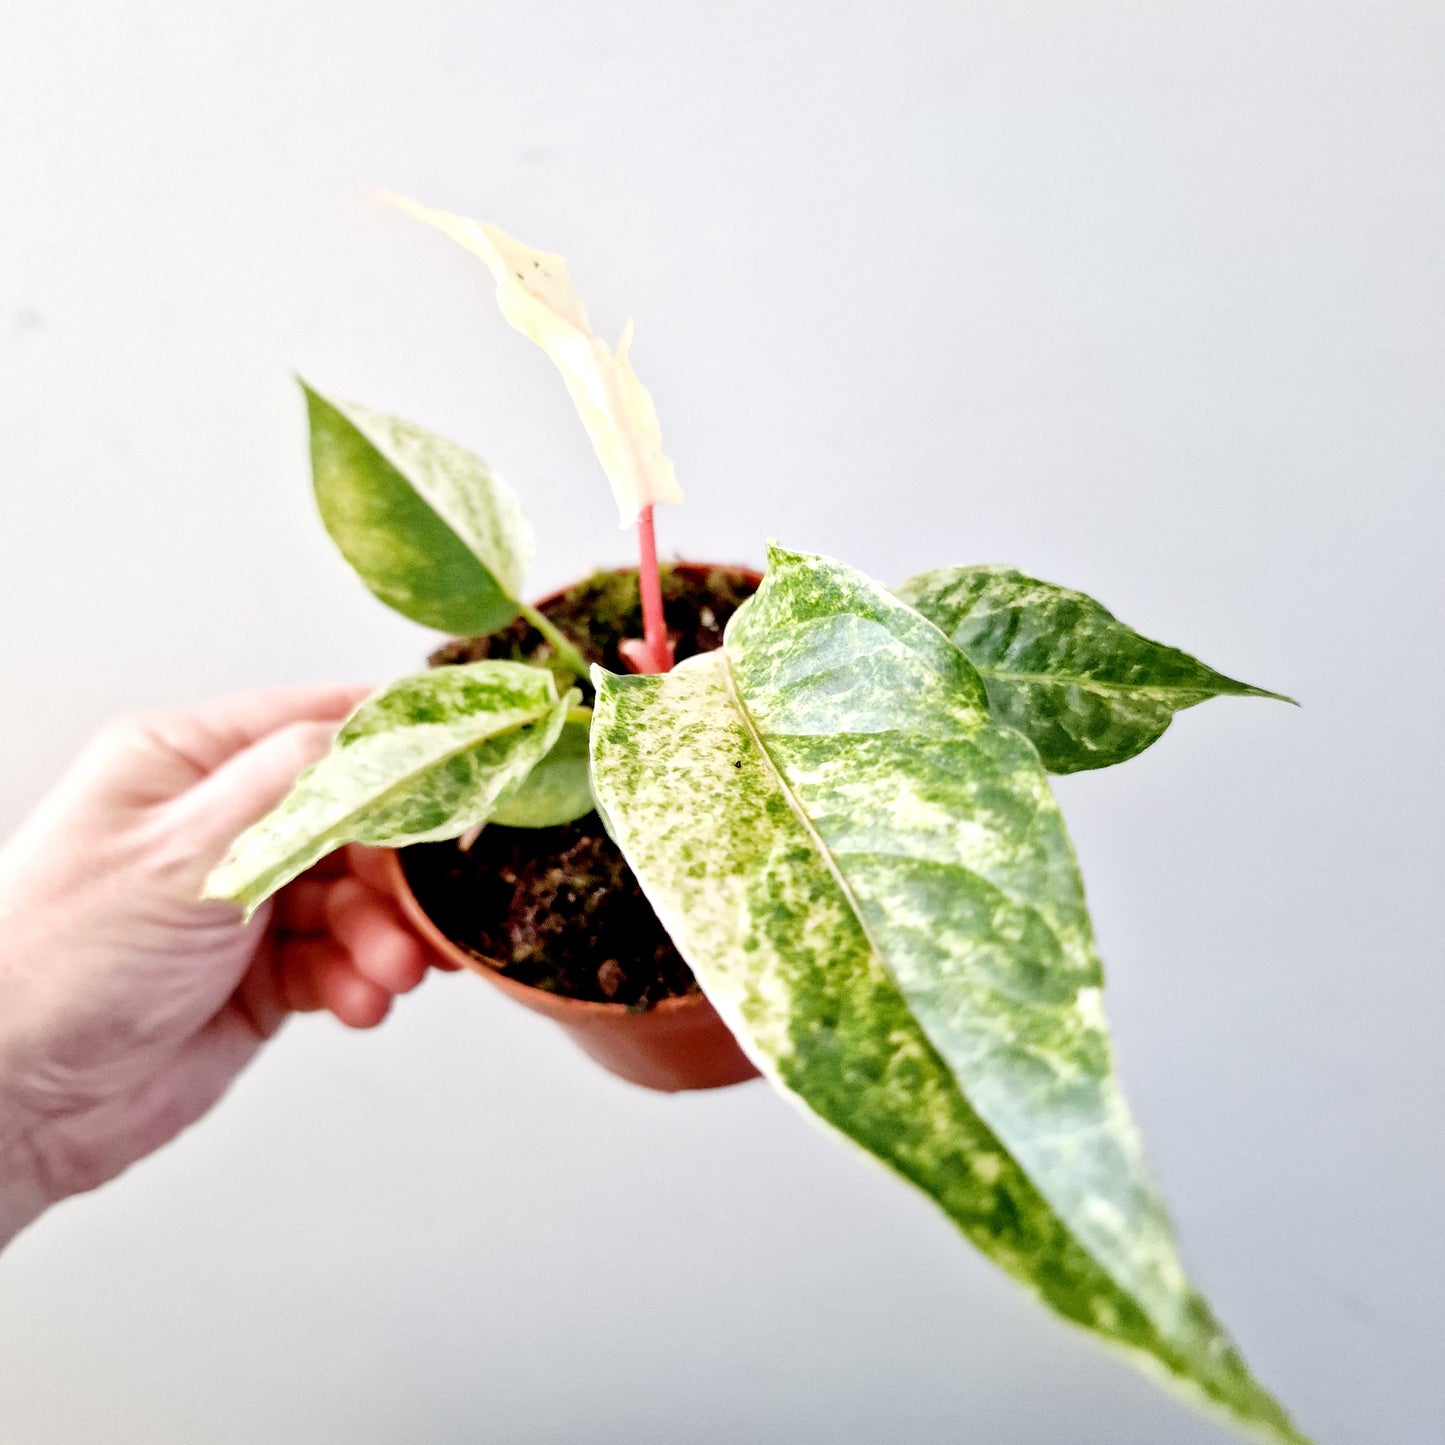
427	758
558	790
1083	687
535	294
430	528
871	882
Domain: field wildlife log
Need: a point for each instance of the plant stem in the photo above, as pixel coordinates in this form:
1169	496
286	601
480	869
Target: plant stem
654	628
565	651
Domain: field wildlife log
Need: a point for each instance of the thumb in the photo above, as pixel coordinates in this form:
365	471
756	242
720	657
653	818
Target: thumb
247	786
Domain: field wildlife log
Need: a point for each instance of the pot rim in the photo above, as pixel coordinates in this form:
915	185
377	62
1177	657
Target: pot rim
491	969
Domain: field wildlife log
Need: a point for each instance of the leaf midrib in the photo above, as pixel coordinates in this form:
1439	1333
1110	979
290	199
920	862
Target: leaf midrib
831	863
441	513
1163	692
386	794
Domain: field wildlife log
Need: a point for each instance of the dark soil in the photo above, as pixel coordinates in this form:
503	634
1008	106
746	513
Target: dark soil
601	611
558	908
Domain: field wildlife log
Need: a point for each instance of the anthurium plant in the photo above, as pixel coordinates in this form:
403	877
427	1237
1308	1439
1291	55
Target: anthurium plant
842	817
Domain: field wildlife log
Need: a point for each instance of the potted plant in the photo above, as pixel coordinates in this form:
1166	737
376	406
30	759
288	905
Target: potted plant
838	823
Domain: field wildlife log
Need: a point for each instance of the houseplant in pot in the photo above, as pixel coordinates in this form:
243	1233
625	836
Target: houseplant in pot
837	825
541	903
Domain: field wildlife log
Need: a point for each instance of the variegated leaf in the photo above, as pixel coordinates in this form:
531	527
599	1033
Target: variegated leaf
427	758
871	882
558	789
429	527
535	294
1083	687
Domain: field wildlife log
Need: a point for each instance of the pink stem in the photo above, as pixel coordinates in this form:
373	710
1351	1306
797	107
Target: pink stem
655	643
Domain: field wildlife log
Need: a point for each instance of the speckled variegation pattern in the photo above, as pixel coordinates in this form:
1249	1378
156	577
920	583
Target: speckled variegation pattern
1083	687
427	758
430	528
872	883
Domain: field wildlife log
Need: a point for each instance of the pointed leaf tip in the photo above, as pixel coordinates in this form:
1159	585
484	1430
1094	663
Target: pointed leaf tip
1085	688
536	295
427	525
874	887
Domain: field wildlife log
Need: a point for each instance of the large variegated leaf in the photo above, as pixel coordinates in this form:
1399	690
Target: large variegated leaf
872	884
429	528
428	758
1083	687
535	294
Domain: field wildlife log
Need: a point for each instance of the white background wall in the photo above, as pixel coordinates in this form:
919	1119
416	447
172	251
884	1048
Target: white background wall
1144	298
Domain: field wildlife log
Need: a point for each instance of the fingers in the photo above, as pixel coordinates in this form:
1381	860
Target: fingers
318	973
301	906
247	786
214	769
256	1000
208	733
371	865
342	944
364	923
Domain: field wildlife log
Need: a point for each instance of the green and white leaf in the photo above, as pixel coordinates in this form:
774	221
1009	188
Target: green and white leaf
430	528
873	885
1083	687
559	789
427	758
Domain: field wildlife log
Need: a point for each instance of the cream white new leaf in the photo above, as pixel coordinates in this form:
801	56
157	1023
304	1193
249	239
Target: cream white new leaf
427	758
871	881
536	295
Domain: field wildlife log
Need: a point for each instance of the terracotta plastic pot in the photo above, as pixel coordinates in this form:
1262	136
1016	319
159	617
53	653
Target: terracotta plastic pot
679	1044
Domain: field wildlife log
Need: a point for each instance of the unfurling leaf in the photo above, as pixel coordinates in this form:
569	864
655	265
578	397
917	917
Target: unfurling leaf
536	296
427	758
873	885
1083	687
429	528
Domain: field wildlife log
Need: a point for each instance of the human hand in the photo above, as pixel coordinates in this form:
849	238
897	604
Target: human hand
127	1004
